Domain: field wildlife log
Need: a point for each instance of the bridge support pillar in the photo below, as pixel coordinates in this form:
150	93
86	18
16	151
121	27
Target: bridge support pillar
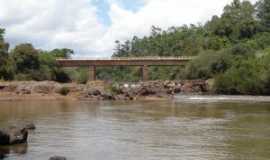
144	72
92	73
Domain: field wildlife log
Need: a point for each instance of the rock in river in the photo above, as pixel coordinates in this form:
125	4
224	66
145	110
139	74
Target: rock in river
13	135
30	126
58	158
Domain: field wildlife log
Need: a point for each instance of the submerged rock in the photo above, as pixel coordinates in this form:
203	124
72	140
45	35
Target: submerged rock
30	126
58	158
13	135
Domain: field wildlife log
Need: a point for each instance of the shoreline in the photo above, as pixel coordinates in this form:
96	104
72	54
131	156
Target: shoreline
178	98
182	91
56	97
99	90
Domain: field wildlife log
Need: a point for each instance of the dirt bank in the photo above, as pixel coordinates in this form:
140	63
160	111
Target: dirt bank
98	90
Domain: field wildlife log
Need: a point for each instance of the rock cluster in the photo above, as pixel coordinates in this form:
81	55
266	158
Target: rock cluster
13	135
162	88
14	139
133	91
29	87
100	90
96	94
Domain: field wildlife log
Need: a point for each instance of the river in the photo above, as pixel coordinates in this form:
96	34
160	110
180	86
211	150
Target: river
188	128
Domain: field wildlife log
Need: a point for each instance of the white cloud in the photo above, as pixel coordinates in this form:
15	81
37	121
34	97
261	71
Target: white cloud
74	23
52	23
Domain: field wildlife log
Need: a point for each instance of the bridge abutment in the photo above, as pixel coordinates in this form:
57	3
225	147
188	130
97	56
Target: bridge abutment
144	73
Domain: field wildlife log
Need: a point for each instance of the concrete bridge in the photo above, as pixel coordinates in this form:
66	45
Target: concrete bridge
143	62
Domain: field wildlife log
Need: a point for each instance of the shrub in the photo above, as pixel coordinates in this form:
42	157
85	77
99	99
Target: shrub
113	88
208	64
82	75
64	91
245	77
61	76
23	77
79	75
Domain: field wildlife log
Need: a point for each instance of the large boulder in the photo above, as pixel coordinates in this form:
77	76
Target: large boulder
13	135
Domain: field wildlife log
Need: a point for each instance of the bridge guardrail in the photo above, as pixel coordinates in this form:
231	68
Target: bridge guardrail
136	58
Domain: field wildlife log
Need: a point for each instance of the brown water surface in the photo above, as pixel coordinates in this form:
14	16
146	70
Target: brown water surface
141	130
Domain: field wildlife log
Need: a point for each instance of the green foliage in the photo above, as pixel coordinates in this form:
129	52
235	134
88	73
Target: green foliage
237	21
62	53
208	64
173	42
23	77
2	32
263	7
25	57
79	75
245	77
25	62
119	73
48	66
113	88
6	71
61	76
83	76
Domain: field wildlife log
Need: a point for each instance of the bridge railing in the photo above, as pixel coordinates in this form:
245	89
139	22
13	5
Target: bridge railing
135	58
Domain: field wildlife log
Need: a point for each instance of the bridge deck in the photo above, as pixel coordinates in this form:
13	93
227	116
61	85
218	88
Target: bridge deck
136	61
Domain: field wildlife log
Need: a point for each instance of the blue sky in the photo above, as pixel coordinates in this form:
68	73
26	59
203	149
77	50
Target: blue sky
103	7
102	11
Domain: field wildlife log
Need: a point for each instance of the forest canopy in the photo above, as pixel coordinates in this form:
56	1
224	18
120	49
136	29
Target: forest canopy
233	49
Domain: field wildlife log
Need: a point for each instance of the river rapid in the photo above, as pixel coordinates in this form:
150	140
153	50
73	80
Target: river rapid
188	128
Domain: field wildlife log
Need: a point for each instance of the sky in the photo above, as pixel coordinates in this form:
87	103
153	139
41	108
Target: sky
91	27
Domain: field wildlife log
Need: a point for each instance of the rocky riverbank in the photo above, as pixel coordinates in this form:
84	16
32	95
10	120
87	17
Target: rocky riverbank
99	90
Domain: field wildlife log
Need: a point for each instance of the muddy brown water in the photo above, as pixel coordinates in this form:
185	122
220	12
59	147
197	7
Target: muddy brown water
169	130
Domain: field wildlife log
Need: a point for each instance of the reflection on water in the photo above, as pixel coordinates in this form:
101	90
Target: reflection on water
141	130
19	149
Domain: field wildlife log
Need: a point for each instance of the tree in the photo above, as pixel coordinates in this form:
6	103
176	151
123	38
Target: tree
236	22
245	77
263	8
62	53
2	32
5	67
25	58
3	47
